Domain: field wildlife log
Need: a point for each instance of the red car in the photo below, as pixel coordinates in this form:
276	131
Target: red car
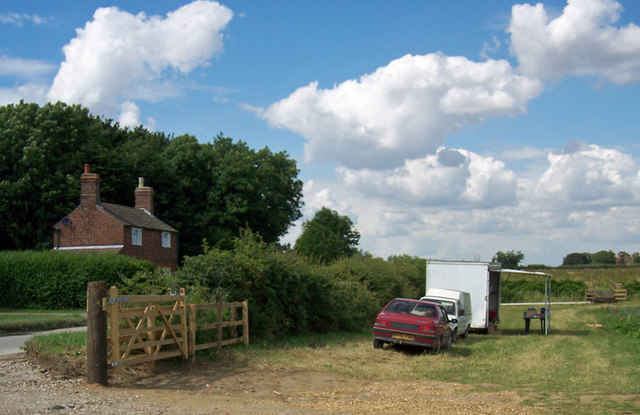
413	322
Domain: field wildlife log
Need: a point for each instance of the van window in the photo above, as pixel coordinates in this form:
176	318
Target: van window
449	307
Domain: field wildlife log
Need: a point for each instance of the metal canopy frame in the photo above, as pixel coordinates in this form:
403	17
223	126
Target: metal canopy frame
547	292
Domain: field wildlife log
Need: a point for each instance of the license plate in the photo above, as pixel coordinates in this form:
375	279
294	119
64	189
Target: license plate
402	336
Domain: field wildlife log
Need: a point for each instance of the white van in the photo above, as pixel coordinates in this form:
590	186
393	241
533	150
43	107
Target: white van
457	305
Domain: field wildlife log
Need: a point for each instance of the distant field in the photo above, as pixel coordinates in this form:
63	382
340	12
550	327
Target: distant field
601	276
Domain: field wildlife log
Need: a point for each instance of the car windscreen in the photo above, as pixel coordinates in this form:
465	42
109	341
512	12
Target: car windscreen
410	307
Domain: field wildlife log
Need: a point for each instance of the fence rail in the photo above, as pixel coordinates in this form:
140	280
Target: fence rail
233	323
165	326
616	293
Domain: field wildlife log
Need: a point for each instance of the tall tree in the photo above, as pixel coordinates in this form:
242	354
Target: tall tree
328	236
510	259
577	258
205	190
42	151
604	257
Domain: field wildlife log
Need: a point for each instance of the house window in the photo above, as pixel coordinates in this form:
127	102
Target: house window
166	240
136	236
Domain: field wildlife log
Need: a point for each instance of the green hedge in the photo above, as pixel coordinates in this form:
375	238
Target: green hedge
517	291
58	280
288	293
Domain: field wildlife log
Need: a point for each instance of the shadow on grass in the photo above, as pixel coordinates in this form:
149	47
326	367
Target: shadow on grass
458	349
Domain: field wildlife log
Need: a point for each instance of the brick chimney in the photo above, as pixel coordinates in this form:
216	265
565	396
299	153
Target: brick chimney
144	196
89	188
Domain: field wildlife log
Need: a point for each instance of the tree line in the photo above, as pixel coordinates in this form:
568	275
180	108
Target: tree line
208	191
601	257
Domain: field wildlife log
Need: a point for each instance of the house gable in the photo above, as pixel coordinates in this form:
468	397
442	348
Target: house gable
98	227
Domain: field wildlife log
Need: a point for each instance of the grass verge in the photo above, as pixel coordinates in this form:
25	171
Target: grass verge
63	354
26	321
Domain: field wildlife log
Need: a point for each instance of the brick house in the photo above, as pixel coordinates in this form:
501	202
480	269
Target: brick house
99	227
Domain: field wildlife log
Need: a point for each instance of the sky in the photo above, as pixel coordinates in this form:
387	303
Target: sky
444	130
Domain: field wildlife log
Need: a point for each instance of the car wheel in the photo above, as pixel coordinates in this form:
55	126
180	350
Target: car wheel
435	348
466	333
450	342
377	344
454	336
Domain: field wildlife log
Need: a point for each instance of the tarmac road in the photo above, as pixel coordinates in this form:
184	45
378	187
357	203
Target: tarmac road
13	344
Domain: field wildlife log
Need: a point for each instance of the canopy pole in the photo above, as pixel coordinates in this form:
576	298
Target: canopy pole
547	313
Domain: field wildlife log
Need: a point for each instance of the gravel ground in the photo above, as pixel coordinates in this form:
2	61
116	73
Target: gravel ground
205	389
27	389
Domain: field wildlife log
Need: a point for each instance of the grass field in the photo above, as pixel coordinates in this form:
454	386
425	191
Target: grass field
589	364
583	367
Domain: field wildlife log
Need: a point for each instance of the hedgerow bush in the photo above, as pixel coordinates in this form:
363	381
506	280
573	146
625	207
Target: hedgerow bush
58	280
516	291
632	287
623	320
287	293
386	280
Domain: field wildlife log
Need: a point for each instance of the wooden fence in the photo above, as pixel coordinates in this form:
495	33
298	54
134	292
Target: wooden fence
163	326
233	323
616	293
619	293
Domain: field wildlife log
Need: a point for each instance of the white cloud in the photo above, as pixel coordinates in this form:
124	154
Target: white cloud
401	110
28	92
129	115
583	41
457	179
116	52
18	19
490	48
24	68
460	205
591	176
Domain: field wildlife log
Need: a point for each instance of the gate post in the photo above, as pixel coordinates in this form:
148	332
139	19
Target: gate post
245	322
96	333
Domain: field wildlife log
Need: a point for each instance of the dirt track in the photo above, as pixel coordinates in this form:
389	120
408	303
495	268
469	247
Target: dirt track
205	388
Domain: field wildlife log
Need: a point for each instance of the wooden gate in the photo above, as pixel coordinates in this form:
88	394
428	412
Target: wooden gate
163	326
156	330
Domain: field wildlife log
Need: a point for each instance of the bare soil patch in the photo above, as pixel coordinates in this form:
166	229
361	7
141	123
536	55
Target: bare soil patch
215	388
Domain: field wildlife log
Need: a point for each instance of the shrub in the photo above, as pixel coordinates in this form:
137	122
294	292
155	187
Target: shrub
385	279
624	320
285	295
522	290
632	287
288	293
58	280
515	291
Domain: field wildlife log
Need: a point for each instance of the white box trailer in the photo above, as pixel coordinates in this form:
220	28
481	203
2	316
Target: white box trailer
480	279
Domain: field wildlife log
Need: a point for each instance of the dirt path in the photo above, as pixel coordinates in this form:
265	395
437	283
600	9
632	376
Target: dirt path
207	388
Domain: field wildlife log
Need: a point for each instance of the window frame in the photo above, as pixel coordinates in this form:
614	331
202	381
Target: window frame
136	236
165	236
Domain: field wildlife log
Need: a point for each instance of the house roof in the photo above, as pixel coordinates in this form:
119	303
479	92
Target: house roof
135	217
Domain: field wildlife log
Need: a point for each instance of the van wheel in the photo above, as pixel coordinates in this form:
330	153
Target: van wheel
454	336
466	333
377	344
435	349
